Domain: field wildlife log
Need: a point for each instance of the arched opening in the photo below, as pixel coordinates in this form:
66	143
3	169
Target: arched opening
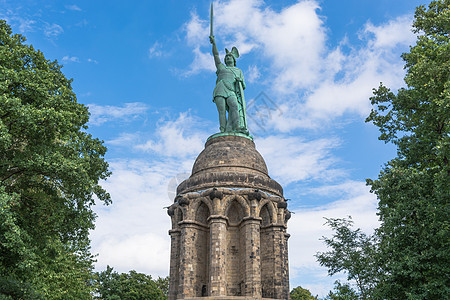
267	253
201	240
235	252
265	215
202	213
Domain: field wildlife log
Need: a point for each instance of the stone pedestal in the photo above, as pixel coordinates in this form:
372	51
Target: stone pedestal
228	234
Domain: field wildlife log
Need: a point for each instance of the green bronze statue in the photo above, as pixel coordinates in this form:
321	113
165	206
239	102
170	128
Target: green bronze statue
229	91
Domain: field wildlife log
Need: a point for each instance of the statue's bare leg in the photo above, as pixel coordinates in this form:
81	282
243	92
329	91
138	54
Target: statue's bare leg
233	114
220	103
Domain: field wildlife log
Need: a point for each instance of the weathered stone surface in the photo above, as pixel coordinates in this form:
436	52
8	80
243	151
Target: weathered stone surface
228	234
230	153
230	161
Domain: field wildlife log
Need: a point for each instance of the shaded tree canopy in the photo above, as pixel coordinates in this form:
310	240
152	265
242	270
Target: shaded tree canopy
413	189
50	169
342	292
300	293
352	252
410	257
132	286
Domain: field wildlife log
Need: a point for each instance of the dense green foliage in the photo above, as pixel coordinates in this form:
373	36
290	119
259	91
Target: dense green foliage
352	252
49	173
410	249
300	293
342	292
111	285
414	188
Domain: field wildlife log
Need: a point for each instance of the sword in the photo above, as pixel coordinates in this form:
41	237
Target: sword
211	24
244	110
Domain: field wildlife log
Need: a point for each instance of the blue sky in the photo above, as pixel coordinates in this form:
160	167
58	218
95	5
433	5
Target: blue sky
145	70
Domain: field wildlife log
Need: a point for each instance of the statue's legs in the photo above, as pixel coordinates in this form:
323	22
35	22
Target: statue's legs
220	103
233	114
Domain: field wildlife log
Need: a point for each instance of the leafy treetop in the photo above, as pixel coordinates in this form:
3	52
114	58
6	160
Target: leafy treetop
50	169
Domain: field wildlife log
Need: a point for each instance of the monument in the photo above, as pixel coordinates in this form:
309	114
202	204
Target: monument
229	218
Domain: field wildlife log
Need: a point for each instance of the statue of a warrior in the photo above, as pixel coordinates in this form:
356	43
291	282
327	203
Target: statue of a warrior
229	91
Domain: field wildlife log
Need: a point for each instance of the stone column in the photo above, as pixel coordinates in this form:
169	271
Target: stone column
280	262
252	283
217	271
286	294
174	263
187	260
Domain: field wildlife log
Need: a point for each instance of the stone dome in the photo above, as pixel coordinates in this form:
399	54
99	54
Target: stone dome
230	161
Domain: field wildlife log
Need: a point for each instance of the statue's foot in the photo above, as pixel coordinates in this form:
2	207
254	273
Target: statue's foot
243	130
222	129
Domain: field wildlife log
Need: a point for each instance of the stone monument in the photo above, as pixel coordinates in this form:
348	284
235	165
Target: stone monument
228	236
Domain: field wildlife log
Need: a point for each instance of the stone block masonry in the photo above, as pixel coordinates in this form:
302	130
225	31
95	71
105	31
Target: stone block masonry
229	221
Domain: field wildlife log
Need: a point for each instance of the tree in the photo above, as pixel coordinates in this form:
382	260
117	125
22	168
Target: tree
352	252
342	292
49	173
414	188
300	293
163	285
133	286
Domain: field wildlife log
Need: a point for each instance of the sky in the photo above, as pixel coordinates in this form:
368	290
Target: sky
145	70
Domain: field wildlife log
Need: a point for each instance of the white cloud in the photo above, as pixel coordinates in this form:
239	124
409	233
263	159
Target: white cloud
347	84
124	139
202	61
26	25
132	232
73	7
13	18
293	38
69	59
393	33
145	253
155	50
52	30
292	159
91	60
82	23
130	111
176	138
196	30
252	74
316	83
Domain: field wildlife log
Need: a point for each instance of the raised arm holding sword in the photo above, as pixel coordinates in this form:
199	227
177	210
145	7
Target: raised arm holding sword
229	91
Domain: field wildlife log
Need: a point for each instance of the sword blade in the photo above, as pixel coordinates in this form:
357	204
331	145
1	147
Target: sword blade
211	24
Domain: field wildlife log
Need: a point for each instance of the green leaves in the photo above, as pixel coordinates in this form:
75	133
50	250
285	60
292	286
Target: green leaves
352	252
408	256
413	189
342	292
49	174
300	293
132	285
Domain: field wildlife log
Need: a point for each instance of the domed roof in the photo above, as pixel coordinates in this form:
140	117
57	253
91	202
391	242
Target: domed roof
230	153
230	161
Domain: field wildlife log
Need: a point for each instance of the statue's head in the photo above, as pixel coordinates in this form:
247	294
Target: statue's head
230	60
231	56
